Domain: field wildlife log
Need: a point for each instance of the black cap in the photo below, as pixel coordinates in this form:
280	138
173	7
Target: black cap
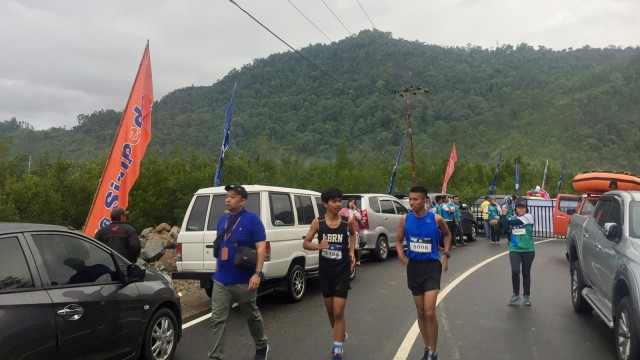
521	203
117	212
239	189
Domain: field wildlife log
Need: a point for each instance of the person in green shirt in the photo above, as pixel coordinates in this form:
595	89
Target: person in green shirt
521	251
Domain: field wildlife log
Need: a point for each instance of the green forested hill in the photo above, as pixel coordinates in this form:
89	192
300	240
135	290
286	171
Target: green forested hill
577	105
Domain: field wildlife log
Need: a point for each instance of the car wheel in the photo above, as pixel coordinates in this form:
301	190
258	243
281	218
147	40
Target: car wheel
209	290
625	330
296	283
580	304
352	273
382	249
473	235
160	337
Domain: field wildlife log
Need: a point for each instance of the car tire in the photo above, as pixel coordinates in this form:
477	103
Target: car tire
580	304
296	283
382	248
209	290
626	330
160	340
473	235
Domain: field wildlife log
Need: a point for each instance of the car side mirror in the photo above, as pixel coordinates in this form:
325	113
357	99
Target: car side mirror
611	231
571	211
135	273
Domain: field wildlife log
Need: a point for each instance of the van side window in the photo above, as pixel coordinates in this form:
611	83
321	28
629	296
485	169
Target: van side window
304	209
198	214
321	209
373	203
14	272
387	207
217	209
400	209
281	209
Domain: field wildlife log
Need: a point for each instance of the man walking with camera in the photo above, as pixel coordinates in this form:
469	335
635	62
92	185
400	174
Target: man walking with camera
231	283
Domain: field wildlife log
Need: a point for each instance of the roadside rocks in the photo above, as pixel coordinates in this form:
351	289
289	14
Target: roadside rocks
158	247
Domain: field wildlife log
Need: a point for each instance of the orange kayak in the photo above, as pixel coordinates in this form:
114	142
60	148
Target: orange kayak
599	182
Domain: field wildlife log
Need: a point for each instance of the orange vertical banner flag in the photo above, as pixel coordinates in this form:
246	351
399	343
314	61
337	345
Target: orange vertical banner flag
450	166
132	138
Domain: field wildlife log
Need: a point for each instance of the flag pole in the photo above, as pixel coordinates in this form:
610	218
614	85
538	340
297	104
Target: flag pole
225	139
145	59
395	167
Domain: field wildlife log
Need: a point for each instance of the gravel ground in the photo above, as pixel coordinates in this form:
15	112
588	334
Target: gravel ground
192	299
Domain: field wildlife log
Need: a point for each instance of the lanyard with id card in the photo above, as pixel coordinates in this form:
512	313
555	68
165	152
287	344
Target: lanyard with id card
224	252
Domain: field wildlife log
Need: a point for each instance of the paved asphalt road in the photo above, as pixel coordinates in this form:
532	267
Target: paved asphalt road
475	321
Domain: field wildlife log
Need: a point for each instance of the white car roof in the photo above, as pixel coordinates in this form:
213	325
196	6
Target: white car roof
257	188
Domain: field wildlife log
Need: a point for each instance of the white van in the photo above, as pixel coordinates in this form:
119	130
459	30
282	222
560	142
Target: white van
286	214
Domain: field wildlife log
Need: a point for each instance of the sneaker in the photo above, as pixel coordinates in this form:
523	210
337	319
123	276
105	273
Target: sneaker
336	354
514	299
261	354
426	356
526	300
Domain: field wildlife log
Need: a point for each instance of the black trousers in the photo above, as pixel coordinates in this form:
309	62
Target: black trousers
453	229
524	259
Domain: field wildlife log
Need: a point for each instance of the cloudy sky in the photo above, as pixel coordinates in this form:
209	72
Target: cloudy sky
63	58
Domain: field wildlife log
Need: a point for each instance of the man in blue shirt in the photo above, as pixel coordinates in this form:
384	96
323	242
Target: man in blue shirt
237	227
421	230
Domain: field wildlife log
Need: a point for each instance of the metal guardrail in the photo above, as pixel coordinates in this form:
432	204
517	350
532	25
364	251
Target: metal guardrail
542	215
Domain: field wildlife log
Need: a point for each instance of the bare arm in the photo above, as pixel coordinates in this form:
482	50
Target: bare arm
400	238
313	230
444	230
352	243
254	282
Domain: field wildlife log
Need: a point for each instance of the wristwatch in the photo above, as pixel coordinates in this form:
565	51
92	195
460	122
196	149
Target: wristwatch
260	274
446	253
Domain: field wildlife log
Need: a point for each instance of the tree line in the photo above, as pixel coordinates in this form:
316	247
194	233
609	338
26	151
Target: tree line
60	191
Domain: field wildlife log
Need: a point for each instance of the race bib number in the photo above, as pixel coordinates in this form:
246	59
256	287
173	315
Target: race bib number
332	254
420	247
519	231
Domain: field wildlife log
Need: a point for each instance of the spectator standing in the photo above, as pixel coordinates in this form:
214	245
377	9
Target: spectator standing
421	231
448	214
232	284
355	215
337	258
485	216
120	236
521	251
457	218
493	216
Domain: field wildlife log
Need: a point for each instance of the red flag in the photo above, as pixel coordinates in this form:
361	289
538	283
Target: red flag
129	146
452	160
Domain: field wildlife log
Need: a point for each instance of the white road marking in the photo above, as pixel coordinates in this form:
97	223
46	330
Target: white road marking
410	338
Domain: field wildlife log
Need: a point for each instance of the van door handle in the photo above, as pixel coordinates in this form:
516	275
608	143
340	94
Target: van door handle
598	246
209	246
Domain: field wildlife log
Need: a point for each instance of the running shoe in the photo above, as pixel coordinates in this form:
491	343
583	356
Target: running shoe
261	354
526	300
514	299
336	354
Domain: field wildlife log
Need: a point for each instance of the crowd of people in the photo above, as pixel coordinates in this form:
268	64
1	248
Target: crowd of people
425	236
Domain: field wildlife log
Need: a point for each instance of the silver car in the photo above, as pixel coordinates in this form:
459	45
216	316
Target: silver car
380	216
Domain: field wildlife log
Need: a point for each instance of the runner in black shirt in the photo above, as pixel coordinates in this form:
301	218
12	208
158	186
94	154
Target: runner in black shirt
337	258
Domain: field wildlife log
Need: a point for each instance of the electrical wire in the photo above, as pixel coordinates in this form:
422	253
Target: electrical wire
365	13
291	47
336	16
305	16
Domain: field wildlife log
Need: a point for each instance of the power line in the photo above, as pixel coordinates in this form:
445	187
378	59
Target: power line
365	13
305	16
336	16
291	47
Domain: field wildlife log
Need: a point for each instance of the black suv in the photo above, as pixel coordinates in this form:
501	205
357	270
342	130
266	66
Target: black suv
64	295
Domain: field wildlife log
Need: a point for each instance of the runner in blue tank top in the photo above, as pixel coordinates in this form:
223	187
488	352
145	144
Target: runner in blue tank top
421	231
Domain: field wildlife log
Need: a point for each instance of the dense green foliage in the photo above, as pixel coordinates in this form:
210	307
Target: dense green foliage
61	191
295	126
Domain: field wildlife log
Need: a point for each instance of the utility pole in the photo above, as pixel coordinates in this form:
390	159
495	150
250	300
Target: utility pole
407	93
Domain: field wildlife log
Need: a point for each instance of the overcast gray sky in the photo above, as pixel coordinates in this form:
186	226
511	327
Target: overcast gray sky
62	58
